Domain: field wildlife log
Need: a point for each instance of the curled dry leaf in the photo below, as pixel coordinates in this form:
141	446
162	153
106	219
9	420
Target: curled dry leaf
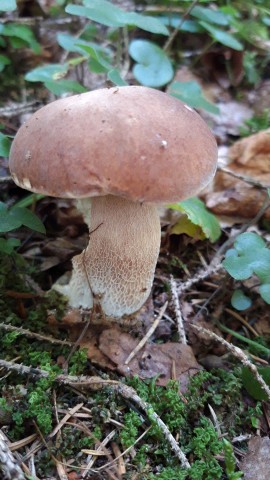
250	157
256	463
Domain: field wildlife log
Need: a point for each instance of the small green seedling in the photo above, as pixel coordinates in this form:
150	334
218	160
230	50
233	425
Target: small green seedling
230	461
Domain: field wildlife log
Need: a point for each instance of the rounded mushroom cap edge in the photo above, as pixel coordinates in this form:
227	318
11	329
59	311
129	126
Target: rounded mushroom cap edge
135	142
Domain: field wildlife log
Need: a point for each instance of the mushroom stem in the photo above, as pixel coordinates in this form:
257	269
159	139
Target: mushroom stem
117	268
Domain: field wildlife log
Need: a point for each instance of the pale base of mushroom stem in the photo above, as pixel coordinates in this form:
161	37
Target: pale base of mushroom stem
117	268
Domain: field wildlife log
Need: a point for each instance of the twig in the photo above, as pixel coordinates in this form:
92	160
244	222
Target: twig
177	311
176	30
126	451
244	178
101	449
147	335
28	333
199	276
8	465
97	382
238	353
242	320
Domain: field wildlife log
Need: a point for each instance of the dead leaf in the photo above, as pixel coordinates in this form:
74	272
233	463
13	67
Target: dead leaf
256	463
153	360
250	157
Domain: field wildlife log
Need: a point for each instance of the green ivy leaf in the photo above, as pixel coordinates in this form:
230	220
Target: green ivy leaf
5	144
8	5
252	385
222	37
154	68
240	301
197	213
106	13
191	93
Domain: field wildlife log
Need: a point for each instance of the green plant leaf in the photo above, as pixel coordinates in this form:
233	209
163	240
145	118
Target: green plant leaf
7	221
185	225
106	13
154	68
8	5
45	73
222	37
191	93
28	218
7	245
265	292
199	215
5	144
115	77
184	25
96	54
75	44
62	86
15	217
250	255
252	385
240	301
4	60
24	33
209	15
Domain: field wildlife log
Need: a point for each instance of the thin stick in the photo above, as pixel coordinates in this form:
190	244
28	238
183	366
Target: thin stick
97	382
177	311
147	335
242	320
28	333
176	30
238	353
244	178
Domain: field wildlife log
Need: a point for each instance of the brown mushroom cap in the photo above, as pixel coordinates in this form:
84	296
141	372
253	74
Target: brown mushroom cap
134	142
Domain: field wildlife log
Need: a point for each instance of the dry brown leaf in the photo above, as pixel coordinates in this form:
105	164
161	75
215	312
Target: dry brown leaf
250	157
256	463
152	360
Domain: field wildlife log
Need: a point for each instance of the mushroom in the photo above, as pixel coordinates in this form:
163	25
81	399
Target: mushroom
120	152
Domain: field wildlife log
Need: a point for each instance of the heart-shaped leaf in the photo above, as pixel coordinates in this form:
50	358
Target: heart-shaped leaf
154	68
240	301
